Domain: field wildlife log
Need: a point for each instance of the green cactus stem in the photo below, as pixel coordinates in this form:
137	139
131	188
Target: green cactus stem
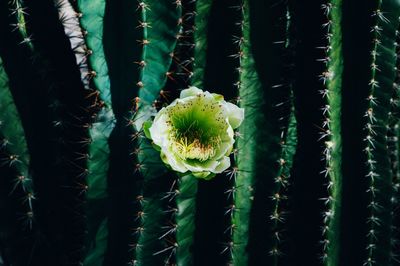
94	72
392	139
232	172
13	140
331	134
244	179
160	26
378	174
203	8
185	219
18	8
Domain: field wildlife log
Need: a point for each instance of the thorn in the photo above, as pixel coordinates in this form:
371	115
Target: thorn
143	6
143	24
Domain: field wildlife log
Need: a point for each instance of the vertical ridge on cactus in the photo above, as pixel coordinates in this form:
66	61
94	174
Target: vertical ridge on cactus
94	72
203	9
244	181
383	64
14	142
232	172
17	7
160	28
393	147
331	130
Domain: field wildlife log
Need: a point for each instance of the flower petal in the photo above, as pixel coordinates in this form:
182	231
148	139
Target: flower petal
175	163
204	175
218	97
235	114
223	165
159	129
191	91
226	145
146	129
197	166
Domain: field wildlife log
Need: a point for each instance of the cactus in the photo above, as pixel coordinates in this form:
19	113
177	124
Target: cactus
331	126
314	171
14	142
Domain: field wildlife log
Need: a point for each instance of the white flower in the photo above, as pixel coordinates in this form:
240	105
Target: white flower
195	132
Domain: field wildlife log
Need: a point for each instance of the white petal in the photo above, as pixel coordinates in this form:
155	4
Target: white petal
223	165
159	129
235	114
200	167
218	97
225	147
191	91
169	158
144	114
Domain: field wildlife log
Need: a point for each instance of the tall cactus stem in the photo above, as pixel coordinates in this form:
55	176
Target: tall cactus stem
331	130
14	143
94	73
186	185
232	171
185	219
179	78
244	179
378	168
160	28
203	8
393	147
18	8
288	144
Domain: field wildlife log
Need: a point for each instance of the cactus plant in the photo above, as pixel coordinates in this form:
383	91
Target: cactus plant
314	167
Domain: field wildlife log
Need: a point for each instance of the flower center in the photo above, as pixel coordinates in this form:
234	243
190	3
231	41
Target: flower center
194	149
195	129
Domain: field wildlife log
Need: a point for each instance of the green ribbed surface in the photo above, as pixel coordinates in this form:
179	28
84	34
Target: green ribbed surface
185	219
158	42
282	183
12	132
162	17
332	133
92	13
203	9
18	8
11	127
383	56
249	92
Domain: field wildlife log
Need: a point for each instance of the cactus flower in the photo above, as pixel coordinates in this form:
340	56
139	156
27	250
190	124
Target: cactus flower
195	132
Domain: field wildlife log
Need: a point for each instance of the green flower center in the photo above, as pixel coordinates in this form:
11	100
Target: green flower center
196	127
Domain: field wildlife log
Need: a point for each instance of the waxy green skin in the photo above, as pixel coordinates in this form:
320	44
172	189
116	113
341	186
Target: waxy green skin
14	142
91	21
333	141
